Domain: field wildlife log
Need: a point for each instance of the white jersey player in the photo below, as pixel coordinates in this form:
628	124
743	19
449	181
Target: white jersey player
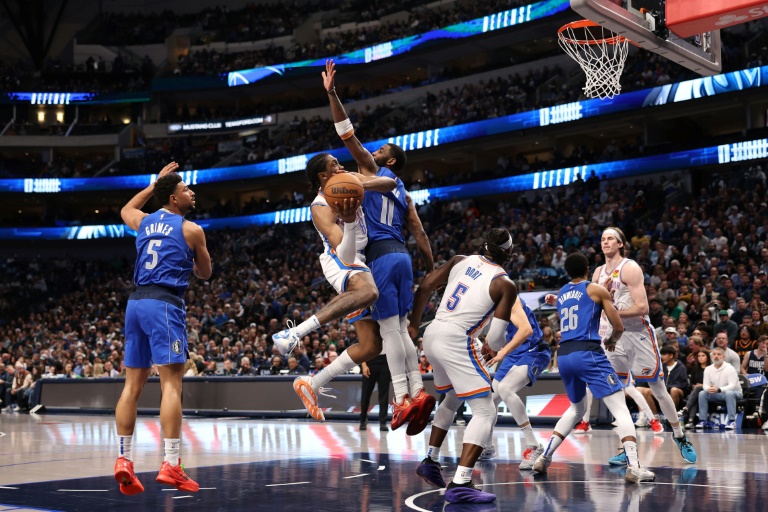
477	288
637	352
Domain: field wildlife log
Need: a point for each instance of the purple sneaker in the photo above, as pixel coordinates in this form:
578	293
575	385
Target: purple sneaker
431	472
467	493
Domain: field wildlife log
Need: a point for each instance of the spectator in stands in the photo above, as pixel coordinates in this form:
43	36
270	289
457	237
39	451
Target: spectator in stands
294	368
246	370
729	326
731	357
721	383
424	366
745	342
696	380
755	362
227	369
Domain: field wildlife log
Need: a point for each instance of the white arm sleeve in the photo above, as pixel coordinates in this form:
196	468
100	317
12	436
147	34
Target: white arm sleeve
497	334
346	248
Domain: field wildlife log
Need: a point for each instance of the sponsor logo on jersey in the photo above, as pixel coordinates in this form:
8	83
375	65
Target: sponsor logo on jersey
615	274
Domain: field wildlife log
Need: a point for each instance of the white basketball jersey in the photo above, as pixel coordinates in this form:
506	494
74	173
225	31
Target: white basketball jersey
467	300
621	299
361	233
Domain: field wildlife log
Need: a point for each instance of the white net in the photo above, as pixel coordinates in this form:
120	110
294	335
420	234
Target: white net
599	52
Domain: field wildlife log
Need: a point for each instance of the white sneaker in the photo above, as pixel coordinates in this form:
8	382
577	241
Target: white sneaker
529	457
542	463
642	420
489	452
287	339
637	474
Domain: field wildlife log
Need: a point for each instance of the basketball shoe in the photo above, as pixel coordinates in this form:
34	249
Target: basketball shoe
124	474
637	474
176	477
423	405
687	451
656	425
529	457
488	453
582	428
402	412
287	339
467	493
431	472
542	464
303	387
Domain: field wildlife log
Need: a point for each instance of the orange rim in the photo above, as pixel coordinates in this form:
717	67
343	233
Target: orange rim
585	24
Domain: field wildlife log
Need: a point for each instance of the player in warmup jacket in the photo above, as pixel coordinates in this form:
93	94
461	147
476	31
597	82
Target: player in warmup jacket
386	214
476	289
169	250
637	352
343	264
582	362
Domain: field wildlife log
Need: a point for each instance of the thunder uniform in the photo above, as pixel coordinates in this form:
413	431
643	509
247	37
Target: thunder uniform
637	351
155	319
533	352
449	340
336	271
386	254
581	358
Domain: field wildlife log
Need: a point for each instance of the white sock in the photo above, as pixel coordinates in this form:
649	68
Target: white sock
125	446
463	475
551	447
678	431
340	366
630	450
307	326
400	385
434	453
530	439
415	383
171	453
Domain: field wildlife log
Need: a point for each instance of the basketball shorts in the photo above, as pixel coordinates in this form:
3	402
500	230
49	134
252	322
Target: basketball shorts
536	360
338	272
637	353
155	333
393	275
456	361
587	367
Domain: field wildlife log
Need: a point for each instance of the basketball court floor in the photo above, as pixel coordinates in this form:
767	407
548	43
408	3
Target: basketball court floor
57	462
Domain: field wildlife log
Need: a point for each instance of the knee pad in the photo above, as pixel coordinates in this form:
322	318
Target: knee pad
483	417
446	411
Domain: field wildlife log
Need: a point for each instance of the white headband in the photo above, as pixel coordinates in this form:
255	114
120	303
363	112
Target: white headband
506	245
613	232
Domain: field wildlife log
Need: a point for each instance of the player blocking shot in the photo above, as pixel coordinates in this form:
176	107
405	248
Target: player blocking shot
343	264
582	363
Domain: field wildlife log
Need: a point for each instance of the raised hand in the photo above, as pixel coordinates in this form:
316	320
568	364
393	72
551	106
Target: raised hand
168	169
329	74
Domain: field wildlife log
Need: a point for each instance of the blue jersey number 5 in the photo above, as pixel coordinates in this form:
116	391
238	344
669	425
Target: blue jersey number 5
453	302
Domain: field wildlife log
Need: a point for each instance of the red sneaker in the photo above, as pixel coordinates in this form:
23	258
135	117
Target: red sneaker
656	426
582	428
403	412
424	404
176	477
124	474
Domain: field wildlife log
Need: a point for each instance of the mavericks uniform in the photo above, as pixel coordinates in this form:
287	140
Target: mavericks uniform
155	318
533	352
338	272
448	341
581	359
386	254
637	351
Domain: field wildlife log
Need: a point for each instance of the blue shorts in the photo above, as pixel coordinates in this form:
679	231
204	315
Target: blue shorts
536	360
588	367
393	275
155	333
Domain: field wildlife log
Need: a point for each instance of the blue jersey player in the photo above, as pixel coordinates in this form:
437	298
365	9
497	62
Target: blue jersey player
390	263
169	250
582	362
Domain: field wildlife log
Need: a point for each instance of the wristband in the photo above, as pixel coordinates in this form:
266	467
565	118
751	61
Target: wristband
344	127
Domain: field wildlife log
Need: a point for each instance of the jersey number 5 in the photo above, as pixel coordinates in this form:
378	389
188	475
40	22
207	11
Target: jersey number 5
569	318
152	252
455	298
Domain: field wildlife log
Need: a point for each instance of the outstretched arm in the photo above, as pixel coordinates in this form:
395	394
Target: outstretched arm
344	127
417	230
377	183
131	212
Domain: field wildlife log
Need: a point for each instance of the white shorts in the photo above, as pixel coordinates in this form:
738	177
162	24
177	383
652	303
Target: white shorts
456	361
637	352
337	272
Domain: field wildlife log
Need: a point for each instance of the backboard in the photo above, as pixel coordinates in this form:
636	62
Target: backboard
648	29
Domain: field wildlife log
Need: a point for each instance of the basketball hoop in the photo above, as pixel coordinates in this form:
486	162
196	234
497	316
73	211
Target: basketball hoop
600	53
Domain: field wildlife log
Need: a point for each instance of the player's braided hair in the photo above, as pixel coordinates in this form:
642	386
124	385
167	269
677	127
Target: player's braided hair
494	240
164	187
315	166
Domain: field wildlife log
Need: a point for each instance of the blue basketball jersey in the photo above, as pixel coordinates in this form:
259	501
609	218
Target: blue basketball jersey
163	256
535	337
385	213
579	314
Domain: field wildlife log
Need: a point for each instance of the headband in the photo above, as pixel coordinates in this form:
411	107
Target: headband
613	232
506	245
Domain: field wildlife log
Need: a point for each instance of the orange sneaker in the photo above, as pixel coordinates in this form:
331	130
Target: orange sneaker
424	404
124	474
402	413
176	477
303	388
656	426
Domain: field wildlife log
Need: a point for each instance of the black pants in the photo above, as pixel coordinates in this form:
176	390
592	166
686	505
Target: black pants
379	376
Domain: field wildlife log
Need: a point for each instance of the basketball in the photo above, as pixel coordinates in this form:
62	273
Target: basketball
342	186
